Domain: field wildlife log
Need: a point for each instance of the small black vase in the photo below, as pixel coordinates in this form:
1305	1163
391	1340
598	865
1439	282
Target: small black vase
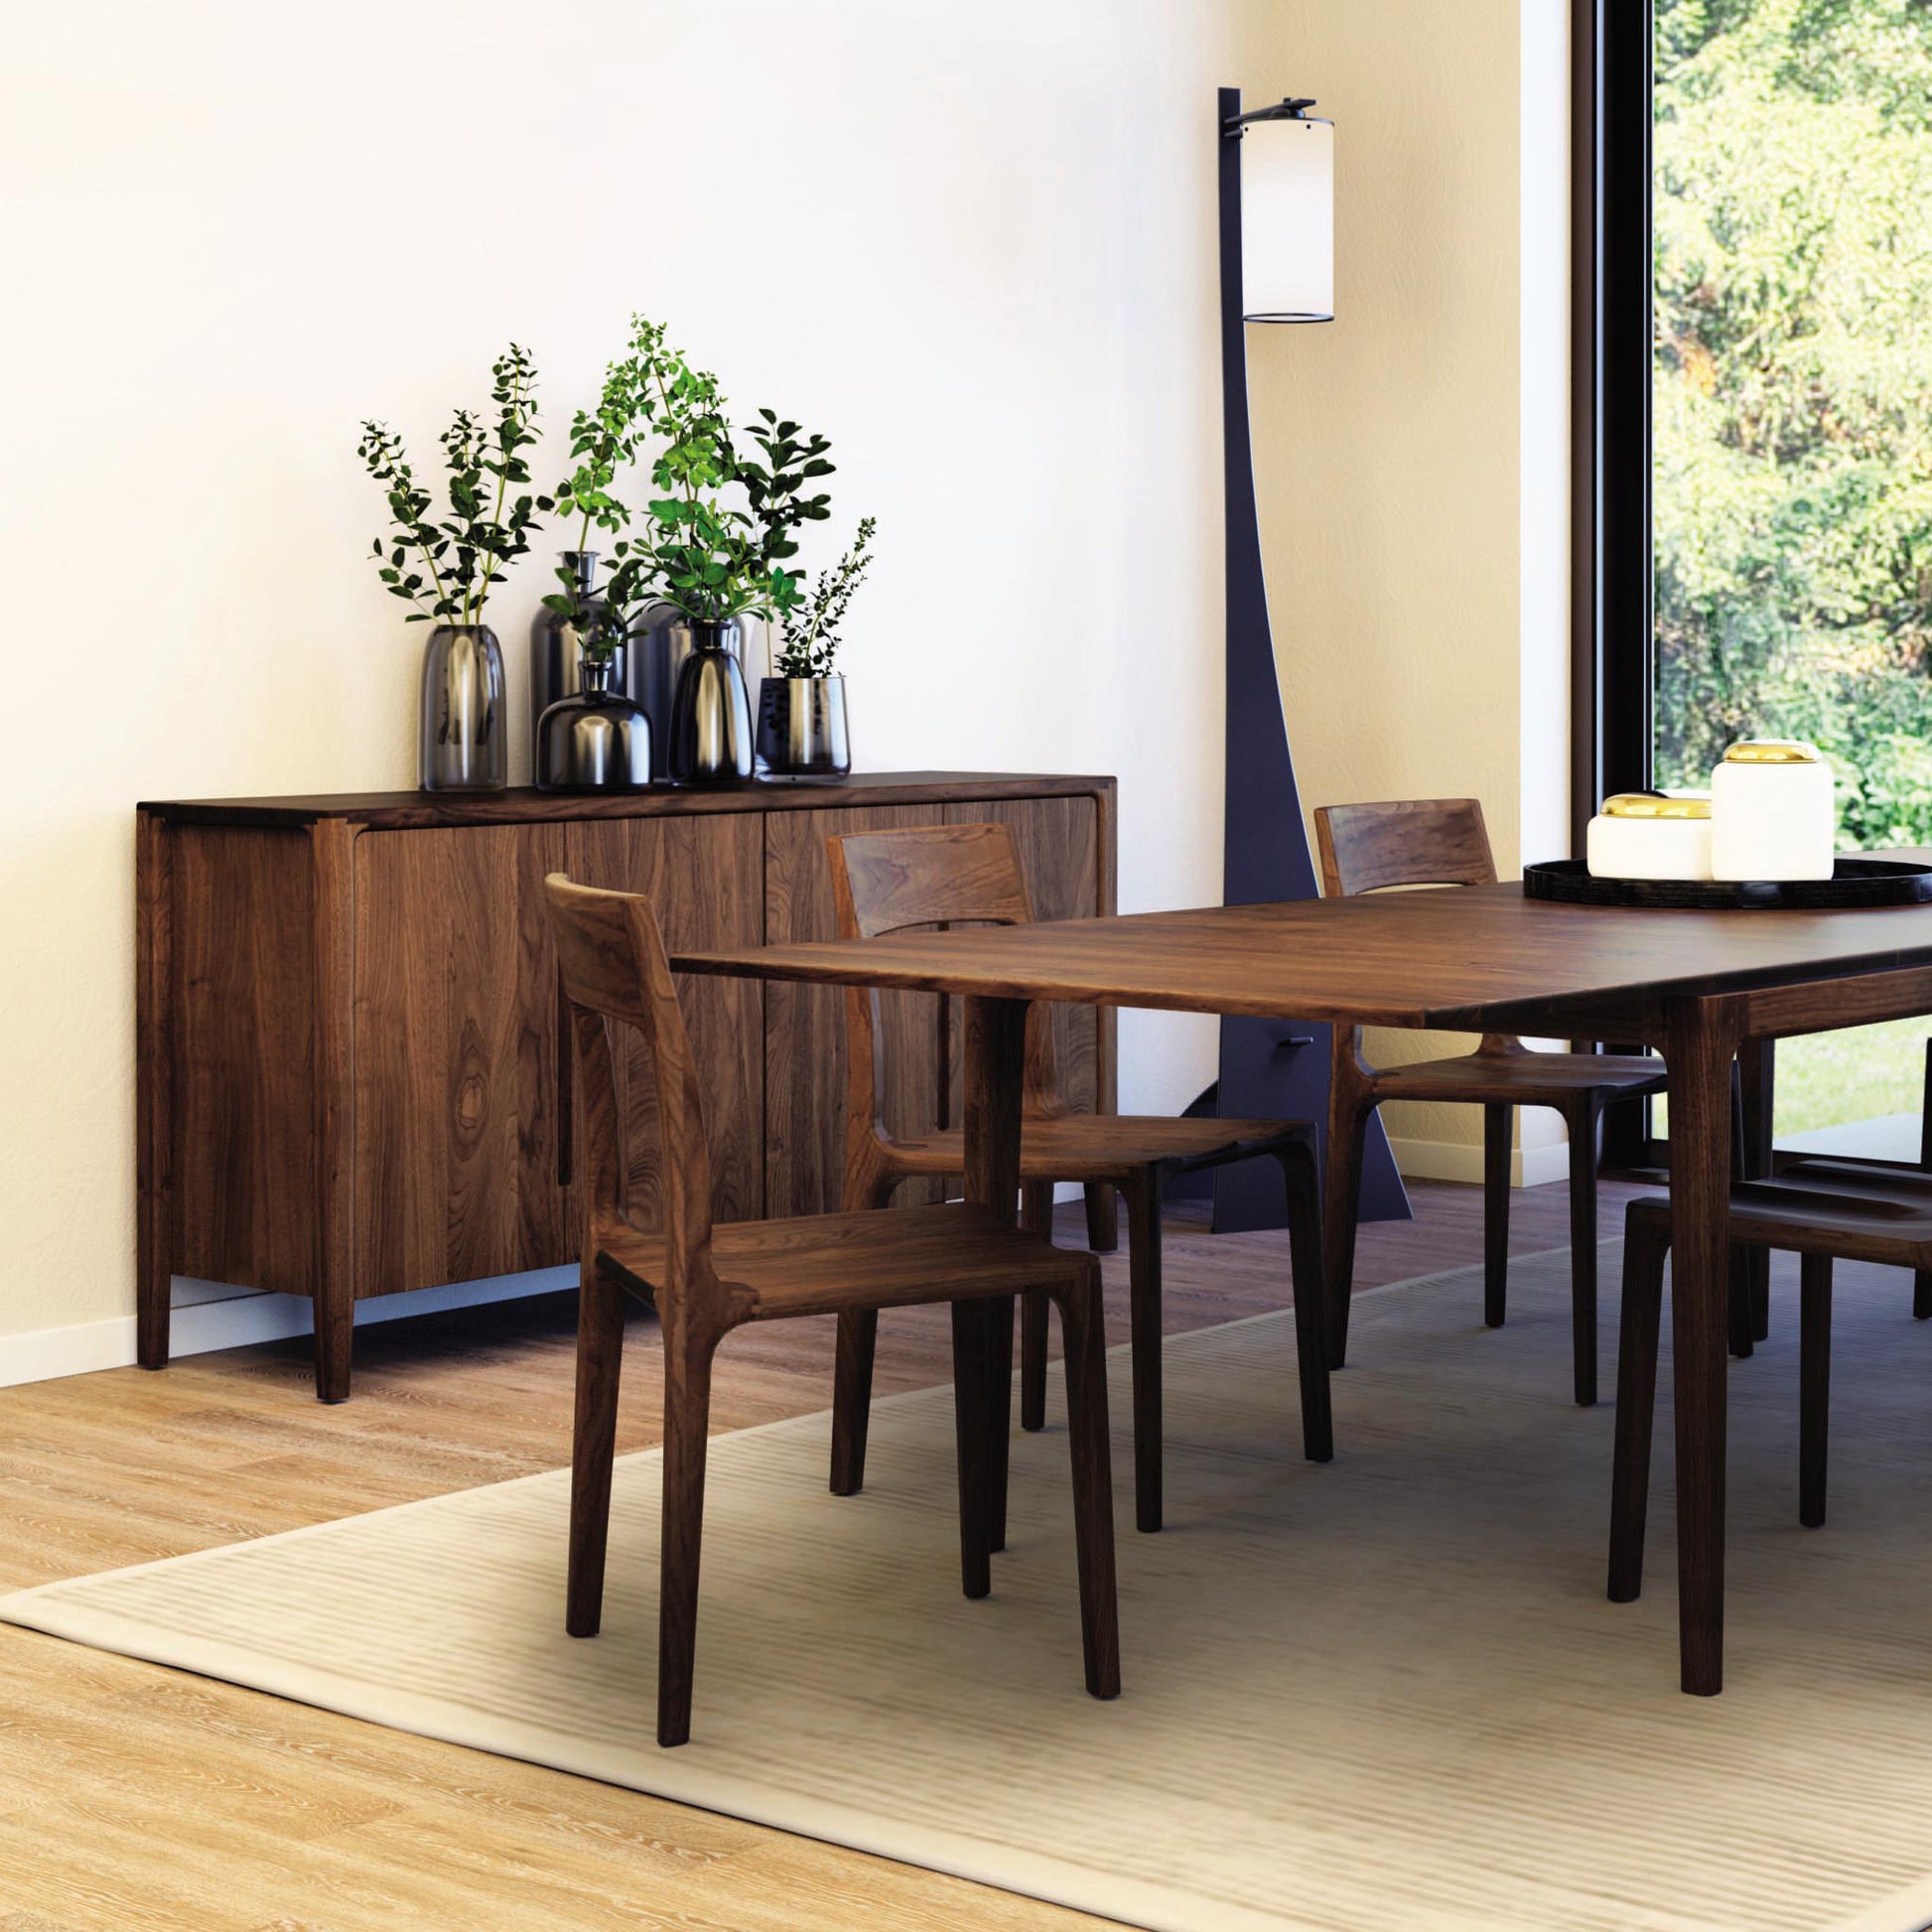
597	740
711	712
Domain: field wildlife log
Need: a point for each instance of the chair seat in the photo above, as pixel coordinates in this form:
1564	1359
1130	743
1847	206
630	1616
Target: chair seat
819	1264
1865	1226
1105	1147
1528	1079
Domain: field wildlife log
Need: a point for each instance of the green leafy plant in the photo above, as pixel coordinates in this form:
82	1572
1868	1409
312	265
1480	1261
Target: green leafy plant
447	569
603	442
716	558
811	636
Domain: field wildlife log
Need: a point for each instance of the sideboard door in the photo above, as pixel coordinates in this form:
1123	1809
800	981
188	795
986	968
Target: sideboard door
805	1026
703	874
456	1057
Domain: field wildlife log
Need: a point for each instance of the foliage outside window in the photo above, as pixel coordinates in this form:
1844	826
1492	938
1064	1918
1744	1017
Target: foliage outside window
1792	387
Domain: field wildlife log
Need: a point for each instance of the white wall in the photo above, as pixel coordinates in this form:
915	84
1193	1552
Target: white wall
971	241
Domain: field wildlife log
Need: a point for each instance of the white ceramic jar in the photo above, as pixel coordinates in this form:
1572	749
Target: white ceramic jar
1650	835
1772	812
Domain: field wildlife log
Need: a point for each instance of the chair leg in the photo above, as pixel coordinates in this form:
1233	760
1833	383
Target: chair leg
593	1439
972	1352
1036	1216
1143	1202
1813	1385
999	1415
1922	1277
1497	1122
852	1398
1645	1249
1582	1248
687	1428
1083	1333
1311	1308
852	1381
1103	1233
1341	1194
1740	1303
1752	1268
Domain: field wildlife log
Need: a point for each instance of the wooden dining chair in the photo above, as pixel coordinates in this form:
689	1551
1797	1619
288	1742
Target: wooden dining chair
703	1282
1443	842
1852	1213
961	875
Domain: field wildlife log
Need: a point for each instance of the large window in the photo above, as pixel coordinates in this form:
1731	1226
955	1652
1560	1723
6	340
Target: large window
1790	407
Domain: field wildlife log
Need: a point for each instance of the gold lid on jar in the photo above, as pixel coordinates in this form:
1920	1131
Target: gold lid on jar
1655	805
1771	751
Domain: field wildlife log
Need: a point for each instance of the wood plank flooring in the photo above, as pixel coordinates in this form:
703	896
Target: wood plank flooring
138	1798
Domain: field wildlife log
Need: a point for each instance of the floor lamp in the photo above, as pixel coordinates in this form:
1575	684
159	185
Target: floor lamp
1277	265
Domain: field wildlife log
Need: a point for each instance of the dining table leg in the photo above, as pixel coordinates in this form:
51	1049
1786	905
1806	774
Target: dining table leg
1701	1041
993	1059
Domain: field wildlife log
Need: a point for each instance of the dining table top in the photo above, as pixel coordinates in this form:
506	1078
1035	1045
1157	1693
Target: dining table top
1464	959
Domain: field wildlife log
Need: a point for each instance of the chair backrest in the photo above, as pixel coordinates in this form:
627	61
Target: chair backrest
928	875
615	972
1403	842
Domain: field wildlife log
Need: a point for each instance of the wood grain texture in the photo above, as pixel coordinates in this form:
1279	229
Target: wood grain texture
1468	961
1058	843
154	1087
456	1065
805	1032
244	1001
702	1285
414	810
299	1817
704	876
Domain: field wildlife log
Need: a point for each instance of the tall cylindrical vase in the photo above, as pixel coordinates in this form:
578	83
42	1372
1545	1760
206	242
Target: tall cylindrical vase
711	711
461	744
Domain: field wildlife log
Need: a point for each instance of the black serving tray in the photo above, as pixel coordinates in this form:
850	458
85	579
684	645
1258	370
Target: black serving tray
1854	882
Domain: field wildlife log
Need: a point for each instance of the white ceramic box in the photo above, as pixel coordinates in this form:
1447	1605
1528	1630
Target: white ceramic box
1650	835
1772	812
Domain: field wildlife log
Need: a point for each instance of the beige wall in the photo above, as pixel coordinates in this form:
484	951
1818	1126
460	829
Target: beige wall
1410	454
972	241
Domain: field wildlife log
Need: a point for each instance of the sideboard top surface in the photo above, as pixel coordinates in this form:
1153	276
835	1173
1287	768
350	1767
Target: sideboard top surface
408	810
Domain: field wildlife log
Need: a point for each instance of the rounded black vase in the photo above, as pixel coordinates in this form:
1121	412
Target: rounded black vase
711	711
596	740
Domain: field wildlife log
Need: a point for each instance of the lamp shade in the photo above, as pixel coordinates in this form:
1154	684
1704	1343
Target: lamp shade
1288	219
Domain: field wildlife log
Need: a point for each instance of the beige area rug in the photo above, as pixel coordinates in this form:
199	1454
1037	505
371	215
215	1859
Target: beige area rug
1381	1696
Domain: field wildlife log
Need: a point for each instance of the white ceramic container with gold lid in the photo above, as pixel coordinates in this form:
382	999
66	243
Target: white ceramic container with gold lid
1650	835
1772	812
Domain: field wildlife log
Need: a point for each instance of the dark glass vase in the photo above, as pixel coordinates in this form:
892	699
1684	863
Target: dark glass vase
461	738
711	711
596	740
556	649
801	733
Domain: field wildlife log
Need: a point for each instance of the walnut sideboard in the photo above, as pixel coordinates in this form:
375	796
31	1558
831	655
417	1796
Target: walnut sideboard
351	1074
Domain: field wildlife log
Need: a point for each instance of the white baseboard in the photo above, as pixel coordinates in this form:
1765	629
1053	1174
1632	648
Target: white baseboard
210	1316
1529	1166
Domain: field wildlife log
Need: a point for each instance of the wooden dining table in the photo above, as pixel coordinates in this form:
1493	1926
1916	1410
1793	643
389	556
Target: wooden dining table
1698	985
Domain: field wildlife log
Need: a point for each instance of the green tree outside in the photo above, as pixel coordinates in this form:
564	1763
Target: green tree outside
1792	391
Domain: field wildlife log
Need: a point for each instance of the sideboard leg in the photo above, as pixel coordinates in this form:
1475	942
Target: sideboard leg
154	1124
333	854
335	1346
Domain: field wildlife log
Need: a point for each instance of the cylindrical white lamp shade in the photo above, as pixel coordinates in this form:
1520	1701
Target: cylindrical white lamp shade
1288	220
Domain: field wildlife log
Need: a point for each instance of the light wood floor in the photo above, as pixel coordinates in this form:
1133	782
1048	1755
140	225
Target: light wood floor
141	1798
